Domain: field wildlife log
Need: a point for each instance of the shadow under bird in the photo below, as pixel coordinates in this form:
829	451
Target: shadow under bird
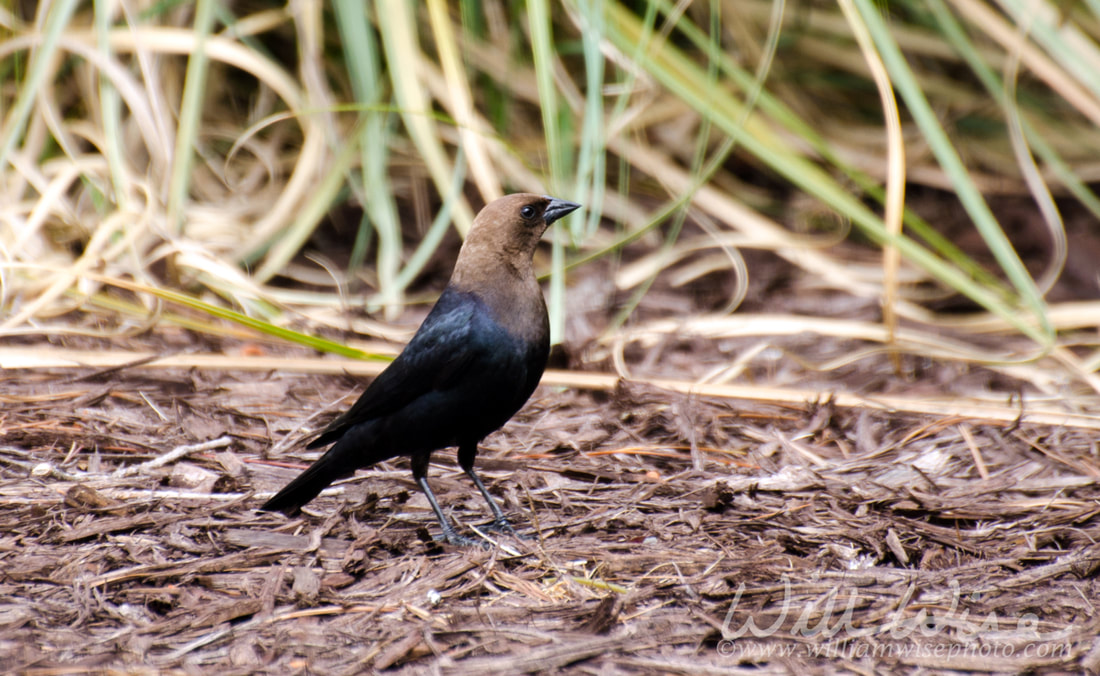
470	366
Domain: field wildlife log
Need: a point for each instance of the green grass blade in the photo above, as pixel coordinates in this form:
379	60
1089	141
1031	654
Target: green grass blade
430	241
397	27
288	335
187	132
364	63
681	76
38	70
969	195
554	122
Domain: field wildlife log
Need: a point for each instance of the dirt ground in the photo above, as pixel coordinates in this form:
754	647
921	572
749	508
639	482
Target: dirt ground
663	532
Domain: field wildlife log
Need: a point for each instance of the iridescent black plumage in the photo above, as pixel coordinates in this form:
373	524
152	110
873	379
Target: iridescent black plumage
472	364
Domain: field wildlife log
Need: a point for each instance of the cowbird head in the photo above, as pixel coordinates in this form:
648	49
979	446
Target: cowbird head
505	233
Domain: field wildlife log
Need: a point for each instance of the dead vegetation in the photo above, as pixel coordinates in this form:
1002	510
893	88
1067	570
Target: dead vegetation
666	533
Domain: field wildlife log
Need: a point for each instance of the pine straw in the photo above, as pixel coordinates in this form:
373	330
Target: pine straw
660	524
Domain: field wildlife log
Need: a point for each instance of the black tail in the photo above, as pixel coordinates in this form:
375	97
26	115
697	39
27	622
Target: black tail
308	485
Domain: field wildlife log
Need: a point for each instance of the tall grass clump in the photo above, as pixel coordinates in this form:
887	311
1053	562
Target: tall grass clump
177	162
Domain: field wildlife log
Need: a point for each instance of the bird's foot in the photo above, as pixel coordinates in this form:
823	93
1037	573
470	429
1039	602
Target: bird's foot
452	538
502	525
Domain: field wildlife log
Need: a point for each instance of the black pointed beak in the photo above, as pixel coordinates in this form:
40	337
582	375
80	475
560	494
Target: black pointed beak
557	209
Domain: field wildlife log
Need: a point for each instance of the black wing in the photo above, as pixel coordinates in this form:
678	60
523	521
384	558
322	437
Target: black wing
439	353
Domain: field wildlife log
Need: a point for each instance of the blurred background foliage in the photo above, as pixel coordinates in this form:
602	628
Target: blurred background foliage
295	168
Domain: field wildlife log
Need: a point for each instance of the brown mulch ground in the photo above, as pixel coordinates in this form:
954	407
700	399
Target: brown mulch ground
666	533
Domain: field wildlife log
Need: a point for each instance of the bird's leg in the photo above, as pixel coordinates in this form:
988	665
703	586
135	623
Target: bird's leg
466	455
420	473
450	535
500	522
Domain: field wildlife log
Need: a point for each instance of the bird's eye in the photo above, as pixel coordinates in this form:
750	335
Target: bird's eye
527	211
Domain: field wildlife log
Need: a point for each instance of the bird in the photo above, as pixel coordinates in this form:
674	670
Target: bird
473	363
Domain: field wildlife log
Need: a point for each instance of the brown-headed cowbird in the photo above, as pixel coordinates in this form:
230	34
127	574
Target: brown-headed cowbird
472	364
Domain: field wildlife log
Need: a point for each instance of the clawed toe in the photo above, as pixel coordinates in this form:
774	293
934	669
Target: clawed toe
504	526
453	538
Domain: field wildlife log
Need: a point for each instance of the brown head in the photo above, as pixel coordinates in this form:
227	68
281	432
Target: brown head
495	259
504	236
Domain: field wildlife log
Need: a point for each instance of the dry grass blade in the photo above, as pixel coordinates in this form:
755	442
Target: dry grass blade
981	409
